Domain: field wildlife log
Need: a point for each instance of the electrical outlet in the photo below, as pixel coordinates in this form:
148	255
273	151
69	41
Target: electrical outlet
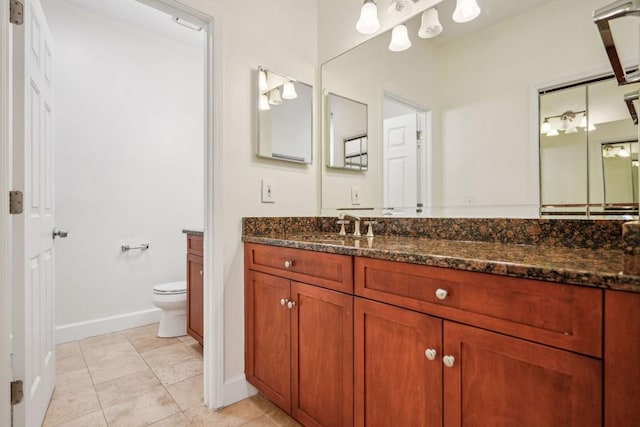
268	191
355	195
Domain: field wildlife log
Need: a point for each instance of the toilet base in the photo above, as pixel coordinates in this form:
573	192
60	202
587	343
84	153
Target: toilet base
173	323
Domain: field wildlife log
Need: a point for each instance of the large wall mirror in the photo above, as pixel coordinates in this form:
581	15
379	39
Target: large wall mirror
285	116
453	120
588	146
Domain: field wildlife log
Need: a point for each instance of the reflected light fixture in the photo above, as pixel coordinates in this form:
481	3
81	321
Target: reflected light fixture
263	102
399	39
623	152
546	126
430	24
553	132
262	81
572	129
274	97
289	91
466	10
368	22
583	121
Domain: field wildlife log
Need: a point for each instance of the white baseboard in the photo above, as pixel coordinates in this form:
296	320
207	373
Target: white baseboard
236	389
105	325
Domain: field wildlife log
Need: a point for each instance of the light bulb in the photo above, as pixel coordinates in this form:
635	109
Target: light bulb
430	24
289	91
274	97
399	39
262	80
553	132
546	126
466	10
263	102
368	22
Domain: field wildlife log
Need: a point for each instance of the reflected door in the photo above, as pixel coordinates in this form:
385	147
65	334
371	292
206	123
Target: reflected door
400	164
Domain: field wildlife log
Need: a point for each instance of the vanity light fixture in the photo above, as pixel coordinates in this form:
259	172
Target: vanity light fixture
566	122
274	97
263	102
289	91
466	10
399	39
430	26
546	126
368	22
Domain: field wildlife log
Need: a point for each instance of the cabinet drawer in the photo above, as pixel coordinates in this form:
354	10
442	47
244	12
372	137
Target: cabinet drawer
194	244
330	271
563	316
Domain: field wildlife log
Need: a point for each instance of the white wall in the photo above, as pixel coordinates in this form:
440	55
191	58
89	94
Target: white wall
129	160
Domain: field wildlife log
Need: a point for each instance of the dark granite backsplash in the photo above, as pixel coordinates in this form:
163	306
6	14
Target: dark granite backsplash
588	234
631	239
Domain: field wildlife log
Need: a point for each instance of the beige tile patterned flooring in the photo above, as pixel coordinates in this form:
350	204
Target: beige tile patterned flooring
133	378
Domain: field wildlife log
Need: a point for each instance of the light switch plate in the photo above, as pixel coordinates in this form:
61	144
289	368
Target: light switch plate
267	191
355	195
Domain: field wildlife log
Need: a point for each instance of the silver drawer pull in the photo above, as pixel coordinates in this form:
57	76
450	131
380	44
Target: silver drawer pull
291	304
448	361
441	293
430	353
288	264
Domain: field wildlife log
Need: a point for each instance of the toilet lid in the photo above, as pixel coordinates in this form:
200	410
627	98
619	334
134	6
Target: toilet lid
171	288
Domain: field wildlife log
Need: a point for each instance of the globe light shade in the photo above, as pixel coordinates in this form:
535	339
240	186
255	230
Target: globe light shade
274	97
289	91
546	126
368	22
399	39
430	26
263	103
262	81
466	10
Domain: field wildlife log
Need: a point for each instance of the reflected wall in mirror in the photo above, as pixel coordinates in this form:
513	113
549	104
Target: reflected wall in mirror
585	153
285	118
478	84
347	133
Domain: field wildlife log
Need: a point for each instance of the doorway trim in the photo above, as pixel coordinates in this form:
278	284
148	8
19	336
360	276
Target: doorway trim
5	180
213	221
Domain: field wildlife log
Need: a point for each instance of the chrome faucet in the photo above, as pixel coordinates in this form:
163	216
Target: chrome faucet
356	220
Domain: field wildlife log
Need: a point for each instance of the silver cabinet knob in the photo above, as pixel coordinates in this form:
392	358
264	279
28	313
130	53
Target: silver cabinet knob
291	304
284	301
62	233
288	264
441	293
201	272
448	361
430	353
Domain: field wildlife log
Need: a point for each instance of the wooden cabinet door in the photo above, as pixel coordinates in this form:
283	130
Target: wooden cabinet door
322	356
395	383
268	336
498	380
195	297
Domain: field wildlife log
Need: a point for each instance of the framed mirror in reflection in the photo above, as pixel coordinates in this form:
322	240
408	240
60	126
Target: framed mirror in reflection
588	141
478	152
347	134
285	118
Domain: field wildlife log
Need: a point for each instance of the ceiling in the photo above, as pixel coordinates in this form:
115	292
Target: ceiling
143	16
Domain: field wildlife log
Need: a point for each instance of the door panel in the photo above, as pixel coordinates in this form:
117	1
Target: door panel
268	339
400	162
33	295
395	383
322	357
195	295
498	381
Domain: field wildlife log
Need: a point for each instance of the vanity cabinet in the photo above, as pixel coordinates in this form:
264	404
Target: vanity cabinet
195	287
460	374
299	333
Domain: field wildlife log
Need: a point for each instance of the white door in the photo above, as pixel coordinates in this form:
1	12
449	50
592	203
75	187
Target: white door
400	173
33	254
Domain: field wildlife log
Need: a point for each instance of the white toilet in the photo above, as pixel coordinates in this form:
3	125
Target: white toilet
171	298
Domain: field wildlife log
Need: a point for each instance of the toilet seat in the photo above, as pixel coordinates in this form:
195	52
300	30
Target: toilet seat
171	288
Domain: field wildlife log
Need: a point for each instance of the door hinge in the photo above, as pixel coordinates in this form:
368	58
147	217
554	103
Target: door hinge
15	202
16	12
17	392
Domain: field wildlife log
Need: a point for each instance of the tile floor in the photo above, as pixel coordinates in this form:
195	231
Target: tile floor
133	378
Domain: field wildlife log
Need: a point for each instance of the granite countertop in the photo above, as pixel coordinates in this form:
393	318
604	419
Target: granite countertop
600	268
196	231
